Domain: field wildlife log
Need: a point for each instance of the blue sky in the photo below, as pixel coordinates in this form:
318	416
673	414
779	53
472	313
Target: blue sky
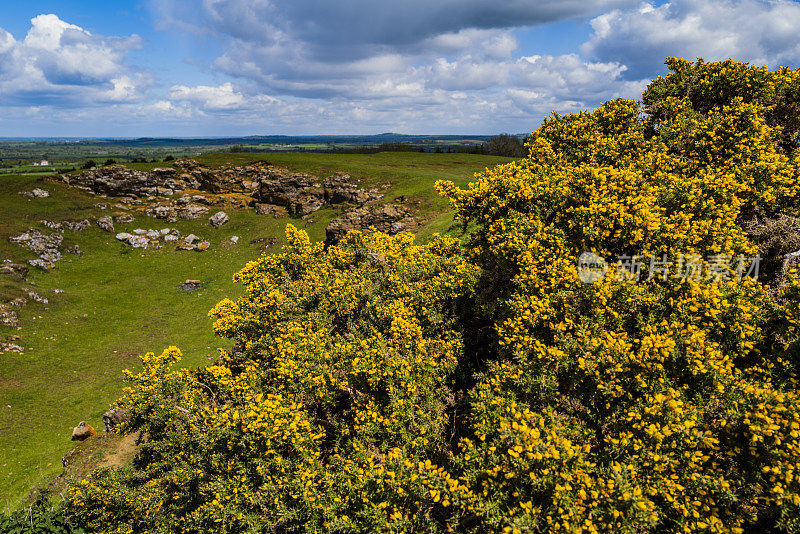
248	67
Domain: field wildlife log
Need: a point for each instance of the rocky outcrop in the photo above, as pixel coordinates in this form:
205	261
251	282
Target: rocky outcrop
227	180
259	184
120	181
385	218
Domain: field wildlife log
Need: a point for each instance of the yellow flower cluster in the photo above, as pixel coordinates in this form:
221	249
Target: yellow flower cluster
626	406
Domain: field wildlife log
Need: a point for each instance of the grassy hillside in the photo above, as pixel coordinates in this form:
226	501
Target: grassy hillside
120	302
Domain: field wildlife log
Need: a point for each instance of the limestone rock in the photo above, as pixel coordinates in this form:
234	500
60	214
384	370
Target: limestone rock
106	223
161	212
15	270
45	246
53	225
112	418
36	193
120	181
218	219
83	431
192	211
139	241
76	226
125	218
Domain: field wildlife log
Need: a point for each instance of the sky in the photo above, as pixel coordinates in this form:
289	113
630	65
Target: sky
111	68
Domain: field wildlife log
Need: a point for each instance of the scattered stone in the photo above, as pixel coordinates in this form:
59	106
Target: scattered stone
36	297
218	219
41	264
139	241
203	245
191	239
36	193
77	226
6	346
73	249
140	231
170	238
45	246
153	234
160	212
83	431
165	231
8	317
192	211
113	417
125	218
106	223
14	269
58	291
124	236
234	239
52	225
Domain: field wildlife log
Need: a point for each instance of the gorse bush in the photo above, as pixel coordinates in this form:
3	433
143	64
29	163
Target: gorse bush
482	386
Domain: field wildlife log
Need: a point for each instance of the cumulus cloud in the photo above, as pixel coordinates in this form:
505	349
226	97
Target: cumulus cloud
360	48
758	31
375	62
61	64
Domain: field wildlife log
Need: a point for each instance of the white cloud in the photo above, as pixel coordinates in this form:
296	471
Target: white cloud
757	31
219	98
61	64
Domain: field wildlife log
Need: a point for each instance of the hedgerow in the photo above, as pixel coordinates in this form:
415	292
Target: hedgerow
484	385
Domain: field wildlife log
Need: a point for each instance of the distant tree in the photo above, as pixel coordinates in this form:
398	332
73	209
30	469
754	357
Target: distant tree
504	145
89	164
237	148
110	161
169	158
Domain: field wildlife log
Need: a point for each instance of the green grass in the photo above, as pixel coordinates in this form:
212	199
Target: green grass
120	302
